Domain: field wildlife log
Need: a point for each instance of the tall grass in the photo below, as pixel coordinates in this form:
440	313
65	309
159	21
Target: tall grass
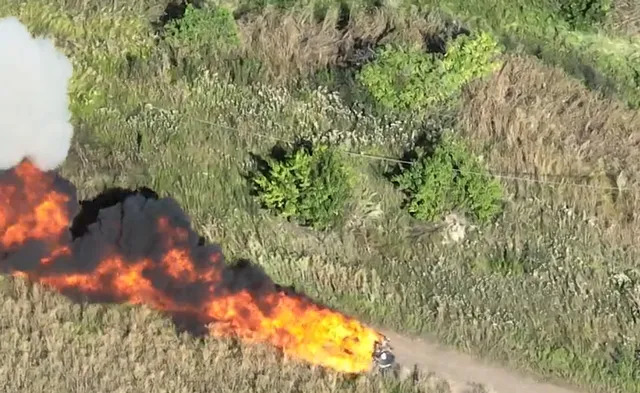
52	345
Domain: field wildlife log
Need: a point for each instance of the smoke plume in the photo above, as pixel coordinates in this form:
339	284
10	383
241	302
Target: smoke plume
34	114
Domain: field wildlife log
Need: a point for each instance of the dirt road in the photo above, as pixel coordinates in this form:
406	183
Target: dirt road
461	370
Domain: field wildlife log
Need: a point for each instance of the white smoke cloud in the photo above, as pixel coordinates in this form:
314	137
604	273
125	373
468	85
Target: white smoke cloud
34	113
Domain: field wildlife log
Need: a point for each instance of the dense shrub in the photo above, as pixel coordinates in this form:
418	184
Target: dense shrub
450	178
404	78
310	185
203	31
585	13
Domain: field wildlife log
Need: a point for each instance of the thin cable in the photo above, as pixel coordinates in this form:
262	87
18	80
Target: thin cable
491	173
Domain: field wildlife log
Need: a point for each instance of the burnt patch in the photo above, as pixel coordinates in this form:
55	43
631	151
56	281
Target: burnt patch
89	209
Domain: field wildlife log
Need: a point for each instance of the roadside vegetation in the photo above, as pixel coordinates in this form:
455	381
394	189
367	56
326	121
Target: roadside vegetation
503	221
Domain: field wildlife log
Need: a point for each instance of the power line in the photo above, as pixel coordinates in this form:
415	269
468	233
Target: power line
278	139
491	173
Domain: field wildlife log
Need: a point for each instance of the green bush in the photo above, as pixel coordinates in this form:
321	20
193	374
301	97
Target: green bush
203	31
584	14
450	179
310	185
403	78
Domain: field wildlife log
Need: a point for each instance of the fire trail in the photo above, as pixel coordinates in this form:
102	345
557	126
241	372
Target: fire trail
138	249
143	251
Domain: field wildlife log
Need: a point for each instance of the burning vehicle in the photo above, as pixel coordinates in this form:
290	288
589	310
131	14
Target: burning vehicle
383	357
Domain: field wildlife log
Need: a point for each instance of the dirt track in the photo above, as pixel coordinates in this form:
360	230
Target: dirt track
461	370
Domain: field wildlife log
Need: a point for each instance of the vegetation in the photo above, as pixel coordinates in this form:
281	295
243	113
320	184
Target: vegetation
585	13
550	287
59	346
203	31
407	79
310	185
450	179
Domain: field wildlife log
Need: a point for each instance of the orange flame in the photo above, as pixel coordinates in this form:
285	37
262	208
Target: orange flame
32	210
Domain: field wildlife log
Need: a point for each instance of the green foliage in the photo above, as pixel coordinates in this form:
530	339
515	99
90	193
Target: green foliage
404	78
581	14
100	46
204	31
309	185
450	179
616	59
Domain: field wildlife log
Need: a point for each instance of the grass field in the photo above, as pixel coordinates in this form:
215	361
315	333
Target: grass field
552	286
53	345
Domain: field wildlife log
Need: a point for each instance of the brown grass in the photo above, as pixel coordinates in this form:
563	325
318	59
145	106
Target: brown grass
293	43
531	118
49	344
626	17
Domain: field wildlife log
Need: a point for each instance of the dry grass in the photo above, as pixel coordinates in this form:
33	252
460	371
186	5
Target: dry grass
49	344
530	118
294	43
627	17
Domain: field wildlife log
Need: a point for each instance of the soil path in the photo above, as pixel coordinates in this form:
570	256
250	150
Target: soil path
462	371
